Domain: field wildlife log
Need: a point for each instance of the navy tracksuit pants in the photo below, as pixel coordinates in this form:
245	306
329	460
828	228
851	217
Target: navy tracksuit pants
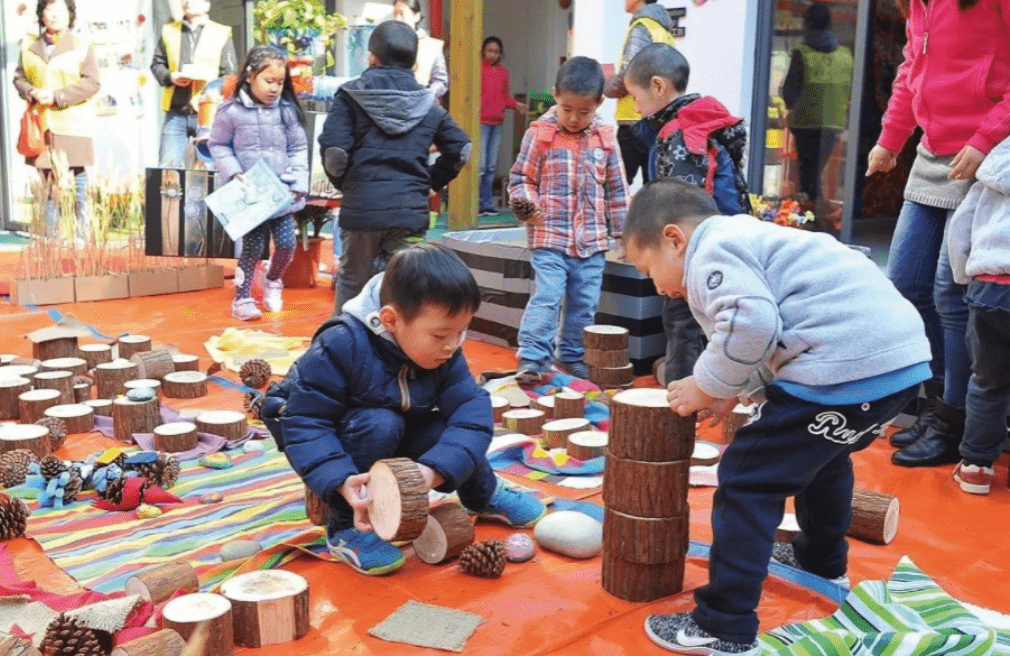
794	448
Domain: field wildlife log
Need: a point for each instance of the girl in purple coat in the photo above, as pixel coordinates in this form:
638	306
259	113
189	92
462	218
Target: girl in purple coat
263	120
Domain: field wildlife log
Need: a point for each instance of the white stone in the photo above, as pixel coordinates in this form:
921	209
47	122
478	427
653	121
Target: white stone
570	533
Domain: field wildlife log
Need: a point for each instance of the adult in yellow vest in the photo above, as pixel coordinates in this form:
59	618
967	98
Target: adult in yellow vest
190	53
816	92
58	73
430	70
650	23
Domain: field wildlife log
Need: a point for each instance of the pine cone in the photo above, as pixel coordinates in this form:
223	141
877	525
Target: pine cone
114	490
485	559
73	486
57	430
253	402
523	208
13	517
163	472
52	466
14	467
255	373
69	637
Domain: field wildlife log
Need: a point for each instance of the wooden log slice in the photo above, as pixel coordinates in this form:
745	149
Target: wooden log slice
82	392
7	358
587	444
596	358
129	417
545	404
175	437
568	405
640	582
10	391
131	344
737	419
161	582
398	510
110	377
77	417
705	454
76	366
448	532
229	424
95	354
642	427
10	371
874	516
30	437
143	383
499	405
788	528
645	540
102	407
601	337
154	364
62	381
33	404
611	377
555	433
317	510
60	347
646	489
184	614
185	362
268	607
165	642
185	385
525	421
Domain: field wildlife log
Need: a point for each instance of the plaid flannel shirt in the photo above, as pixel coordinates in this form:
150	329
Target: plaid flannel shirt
577	181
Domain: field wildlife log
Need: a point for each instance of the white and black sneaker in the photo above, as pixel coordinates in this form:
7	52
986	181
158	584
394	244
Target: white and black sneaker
782	553
679	633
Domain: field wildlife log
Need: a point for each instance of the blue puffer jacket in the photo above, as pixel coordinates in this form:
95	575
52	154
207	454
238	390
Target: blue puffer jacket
353	362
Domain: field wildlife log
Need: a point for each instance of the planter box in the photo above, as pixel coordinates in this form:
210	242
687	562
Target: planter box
42	291
195	278
101	288
152	283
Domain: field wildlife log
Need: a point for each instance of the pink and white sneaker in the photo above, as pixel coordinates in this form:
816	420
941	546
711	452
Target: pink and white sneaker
273	300
244	309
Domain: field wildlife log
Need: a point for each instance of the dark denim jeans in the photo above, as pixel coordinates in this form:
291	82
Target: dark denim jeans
988	341
684	339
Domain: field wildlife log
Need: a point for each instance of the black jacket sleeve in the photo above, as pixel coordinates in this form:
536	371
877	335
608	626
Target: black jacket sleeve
159	64
336	139
792	86
454	152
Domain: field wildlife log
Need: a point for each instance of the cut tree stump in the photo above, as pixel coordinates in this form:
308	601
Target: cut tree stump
642	427
268	607
185	362
153	364
525	421
587	444
646	540
82	392
317	510
143	383
229	424
61	381
131	344
448	532
596	358
638	582
76	366
646	489
601	337
568	405
555	433
95	354
10	391
545	404
183	615
874	516
102	407
30	437
59	347
185	385
161	582
398	510
165	642
18	371
736	420
110	377
175	437
77	417
612	377
33	404
130	417
499	404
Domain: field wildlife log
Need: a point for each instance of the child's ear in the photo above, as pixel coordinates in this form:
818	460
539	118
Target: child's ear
390	318
372	60
660	85
674	235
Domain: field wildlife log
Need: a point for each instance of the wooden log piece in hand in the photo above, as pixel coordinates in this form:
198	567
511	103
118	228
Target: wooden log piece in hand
102	407
143	383
175	437
555	433
33	404
874	516
184	385
398	510
129	417
165	642
601	337
568	405
545	404
736	420
448	532
268	607
30	437
185	362
131	344
645	540
587	444
612	377
60	347
525	421
76	366
77	417
184	614
229	424
317	510
10	391
646	489
153	364
640	582
642	427
110	377
596	358
161	582
63	381
499	404
95	354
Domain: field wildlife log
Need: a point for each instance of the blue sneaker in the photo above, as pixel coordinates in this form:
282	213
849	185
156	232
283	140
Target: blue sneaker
529	373
365	552
578	369
514	508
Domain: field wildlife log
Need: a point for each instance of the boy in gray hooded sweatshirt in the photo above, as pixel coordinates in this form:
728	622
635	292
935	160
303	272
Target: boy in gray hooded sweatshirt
815	333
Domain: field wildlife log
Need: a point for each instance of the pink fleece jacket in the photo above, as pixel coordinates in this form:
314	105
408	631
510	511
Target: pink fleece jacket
955	80
495	95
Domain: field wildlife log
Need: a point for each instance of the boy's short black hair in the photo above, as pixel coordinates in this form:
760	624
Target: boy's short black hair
659	60
662	202
394	44
817	17
581	76
428	274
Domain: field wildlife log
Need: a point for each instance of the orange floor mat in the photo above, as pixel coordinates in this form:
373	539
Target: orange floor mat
553	604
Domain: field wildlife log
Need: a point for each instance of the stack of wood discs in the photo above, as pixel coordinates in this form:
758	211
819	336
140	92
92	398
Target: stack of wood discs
607	356
645	520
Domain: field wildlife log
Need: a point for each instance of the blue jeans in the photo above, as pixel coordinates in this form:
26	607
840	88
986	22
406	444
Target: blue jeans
988	341
575	281
175	134
490	142
52	211
919	267
685	340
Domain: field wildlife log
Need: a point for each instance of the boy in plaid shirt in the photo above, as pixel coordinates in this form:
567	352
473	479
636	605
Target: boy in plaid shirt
570	179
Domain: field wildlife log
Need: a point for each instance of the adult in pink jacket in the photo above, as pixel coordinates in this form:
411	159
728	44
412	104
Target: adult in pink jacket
955	85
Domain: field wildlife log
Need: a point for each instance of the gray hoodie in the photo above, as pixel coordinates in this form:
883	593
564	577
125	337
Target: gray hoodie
978	239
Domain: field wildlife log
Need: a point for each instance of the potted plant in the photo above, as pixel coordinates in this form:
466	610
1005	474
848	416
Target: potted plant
302	272
297	27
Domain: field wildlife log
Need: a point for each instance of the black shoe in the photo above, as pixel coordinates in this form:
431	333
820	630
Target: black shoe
927	409
939	443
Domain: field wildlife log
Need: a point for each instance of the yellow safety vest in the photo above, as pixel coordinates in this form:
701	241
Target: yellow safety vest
626	112
207	53
62	70
428	50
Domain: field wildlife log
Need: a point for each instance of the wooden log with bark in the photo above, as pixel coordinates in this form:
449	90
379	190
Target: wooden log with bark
143	383
646	489
268	607
646	540
601	337
524	420
111	376
874	516
153	364
185	362
317	510
10	391
555	433
499	405
597	358
77	417
76	366
175	437
640	582
569	405
642	427
230	424
165	642
95	354
398	510
184	614
184	385
30	437
448	532
131	344
737	419
59	347
613	377
587	444
129	417
102	407
34	403
161	582
62	381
